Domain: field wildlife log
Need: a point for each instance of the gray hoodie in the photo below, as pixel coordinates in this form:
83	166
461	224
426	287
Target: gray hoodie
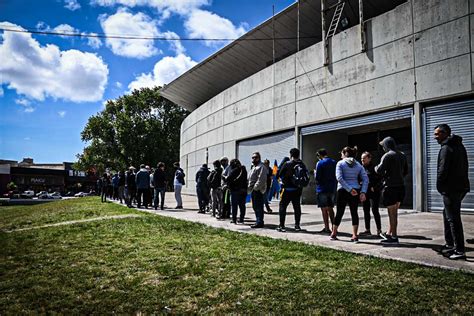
393	166
258	178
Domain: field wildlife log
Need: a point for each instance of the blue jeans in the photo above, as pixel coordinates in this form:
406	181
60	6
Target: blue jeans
156	197
257	204
237	200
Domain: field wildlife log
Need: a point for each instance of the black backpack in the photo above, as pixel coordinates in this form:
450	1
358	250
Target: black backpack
300	177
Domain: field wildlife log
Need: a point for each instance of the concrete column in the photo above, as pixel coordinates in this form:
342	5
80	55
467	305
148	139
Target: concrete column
418	154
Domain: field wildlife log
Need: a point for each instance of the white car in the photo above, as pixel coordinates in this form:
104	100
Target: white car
28	194
55	195
81	194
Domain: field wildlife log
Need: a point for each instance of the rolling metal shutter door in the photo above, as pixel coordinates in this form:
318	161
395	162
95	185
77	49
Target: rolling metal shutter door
358	121
270	147
460	117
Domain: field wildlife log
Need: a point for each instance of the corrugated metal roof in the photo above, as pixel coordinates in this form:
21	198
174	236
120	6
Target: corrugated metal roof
254	50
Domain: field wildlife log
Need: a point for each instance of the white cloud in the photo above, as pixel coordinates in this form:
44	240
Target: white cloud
62	114
1	92
38	71
72	5
175	44
23	102
205	24
118	84
65	28
61	28
165	7
27	108
165	71
124	22
93	42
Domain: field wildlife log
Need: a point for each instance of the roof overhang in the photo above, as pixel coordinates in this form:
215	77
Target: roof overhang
254	50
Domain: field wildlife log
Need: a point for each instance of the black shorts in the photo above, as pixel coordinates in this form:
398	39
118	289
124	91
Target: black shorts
393	195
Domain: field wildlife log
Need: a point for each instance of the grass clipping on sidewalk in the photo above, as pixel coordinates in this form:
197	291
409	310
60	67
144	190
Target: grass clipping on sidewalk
154	264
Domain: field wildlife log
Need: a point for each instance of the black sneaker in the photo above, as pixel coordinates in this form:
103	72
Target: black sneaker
333	237
297	228
257	226
325	231
470	241
281	229
390	240
384	236
366	233
457	255
240	221
233	222
355	240
446	249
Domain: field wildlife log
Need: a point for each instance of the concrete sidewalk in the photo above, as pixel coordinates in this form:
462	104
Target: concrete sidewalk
419	233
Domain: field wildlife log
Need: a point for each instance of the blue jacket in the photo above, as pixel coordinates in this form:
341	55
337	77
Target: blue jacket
349	174
143	179
325	175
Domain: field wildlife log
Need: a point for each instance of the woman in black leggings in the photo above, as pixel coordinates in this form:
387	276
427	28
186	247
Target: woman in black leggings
349	190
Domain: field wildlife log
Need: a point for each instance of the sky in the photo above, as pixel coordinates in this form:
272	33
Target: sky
50	85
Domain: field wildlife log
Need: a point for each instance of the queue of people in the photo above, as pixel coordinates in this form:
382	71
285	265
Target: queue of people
347	182
143	188
224	191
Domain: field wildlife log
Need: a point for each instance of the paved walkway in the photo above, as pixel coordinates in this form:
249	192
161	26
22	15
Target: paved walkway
419	233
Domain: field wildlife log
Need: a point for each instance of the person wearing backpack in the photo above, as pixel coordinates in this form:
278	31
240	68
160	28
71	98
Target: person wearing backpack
294	176
237	184
214	180
350	191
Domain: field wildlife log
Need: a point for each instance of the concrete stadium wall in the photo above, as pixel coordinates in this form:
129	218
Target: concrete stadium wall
422	50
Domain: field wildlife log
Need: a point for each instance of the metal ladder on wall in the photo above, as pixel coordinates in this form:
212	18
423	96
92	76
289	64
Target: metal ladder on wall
335	19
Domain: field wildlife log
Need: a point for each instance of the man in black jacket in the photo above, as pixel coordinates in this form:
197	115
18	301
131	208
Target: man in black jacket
159	183
130	186
452	183
202	188
215	183
292	173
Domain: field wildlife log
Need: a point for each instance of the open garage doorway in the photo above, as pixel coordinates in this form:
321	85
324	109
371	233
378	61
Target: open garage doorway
366	138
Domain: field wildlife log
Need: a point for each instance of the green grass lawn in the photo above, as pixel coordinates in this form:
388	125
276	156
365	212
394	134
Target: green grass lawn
154	264
15	217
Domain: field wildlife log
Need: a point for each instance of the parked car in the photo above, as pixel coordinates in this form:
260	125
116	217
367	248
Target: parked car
44	195
69	193
28	194
55	195
41	193
81	194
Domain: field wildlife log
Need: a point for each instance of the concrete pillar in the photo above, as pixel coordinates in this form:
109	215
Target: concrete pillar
418	155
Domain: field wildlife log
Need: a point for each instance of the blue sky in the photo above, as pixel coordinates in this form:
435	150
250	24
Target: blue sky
51	85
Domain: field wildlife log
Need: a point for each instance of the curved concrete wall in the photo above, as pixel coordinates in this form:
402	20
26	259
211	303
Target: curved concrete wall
422	50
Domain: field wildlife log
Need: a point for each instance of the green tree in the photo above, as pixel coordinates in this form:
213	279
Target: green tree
141	127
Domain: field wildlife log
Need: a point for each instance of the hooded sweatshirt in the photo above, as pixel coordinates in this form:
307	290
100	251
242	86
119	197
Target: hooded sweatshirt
452	173
393	166
349	174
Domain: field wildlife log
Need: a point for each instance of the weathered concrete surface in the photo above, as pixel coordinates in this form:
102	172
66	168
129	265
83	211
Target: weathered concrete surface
419	51
419	233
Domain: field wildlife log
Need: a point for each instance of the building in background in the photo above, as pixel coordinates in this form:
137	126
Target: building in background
49	177
351	75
